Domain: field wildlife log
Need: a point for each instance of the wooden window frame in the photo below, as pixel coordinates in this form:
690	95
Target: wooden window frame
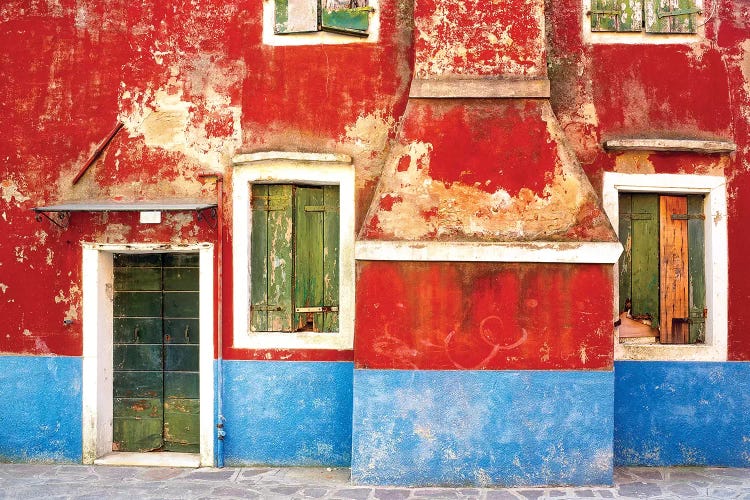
317	37
641	36
291	168
715	211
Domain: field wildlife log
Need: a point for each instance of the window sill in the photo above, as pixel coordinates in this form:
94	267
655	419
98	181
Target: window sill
293	340
669	352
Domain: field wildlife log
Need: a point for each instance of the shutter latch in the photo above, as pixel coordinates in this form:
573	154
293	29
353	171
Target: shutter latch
688	216
316	309
677	12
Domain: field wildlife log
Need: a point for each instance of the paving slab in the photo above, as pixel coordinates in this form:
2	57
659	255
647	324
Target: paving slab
81	482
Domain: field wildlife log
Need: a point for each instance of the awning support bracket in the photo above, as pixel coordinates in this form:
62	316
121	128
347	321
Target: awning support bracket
62	217
209	215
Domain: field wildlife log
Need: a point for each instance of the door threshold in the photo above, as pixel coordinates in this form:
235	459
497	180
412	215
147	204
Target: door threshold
152	459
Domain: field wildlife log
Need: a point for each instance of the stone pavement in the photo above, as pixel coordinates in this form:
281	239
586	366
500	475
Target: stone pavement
50	482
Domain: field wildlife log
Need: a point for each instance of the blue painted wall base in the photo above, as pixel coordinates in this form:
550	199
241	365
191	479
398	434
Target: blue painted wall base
288	413
682	413
40	399
509	428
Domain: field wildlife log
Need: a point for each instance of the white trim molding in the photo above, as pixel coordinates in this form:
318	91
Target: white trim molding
97	289
292	168
716	255
531	251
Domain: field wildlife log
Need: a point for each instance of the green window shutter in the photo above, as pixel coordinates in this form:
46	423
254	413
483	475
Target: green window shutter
295	16
617	15
671	16
342	16
641	254
331	258
696	268
271	262
308	273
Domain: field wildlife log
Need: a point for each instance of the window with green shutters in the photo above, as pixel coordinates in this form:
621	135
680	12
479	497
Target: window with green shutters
348	17
294	268
662	268
649	16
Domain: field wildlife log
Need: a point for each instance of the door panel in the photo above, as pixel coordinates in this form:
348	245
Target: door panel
155	353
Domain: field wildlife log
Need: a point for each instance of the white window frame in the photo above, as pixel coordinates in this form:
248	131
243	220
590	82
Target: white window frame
716	259
641	37
292	168
317	37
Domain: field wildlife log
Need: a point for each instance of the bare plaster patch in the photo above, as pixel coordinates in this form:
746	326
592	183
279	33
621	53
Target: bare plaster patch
3	287
9	191
634	162
72	298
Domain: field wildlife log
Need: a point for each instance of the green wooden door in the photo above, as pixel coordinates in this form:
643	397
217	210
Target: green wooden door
155	353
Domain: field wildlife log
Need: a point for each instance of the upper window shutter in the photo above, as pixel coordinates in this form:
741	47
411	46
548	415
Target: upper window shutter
696	265
295	16
671	16
617	15
351	17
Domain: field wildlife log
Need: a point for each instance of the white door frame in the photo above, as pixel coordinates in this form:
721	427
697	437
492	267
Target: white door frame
97	289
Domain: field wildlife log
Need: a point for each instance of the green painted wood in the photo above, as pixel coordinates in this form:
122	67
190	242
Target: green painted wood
331	220
645	255
137	384
625	232
181	357
137	278
137	434
354	21
308	244
617	15
148	373
180	278
671	16
181	385
137	357
137	330
181	304
138	407
295	16
137	304
259	259
181	331
137	260
181	260
696	269
280	257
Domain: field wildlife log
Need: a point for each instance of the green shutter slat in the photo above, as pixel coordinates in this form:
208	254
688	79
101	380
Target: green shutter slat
671	16
645	256
308	275
259	259
295	16
626	258
331	259
696	270
280	257
354	21
617	15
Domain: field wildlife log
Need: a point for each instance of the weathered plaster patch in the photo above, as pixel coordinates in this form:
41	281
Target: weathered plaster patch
72	298
369	134
116	233
3	287
634	162
9	191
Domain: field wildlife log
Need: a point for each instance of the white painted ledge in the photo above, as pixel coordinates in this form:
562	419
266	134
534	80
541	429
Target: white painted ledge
456	88
689	145
152	459
532	252
289	156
